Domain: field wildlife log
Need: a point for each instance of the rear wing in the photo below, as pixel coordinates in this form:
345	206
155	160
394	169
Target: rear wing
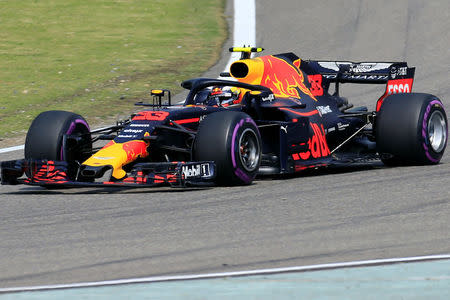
362	72
397	76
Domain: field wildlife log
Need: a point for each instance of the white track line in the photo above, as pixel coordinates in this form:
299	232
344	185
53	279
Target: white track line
21	147
10	149
365	263
244	33
244	28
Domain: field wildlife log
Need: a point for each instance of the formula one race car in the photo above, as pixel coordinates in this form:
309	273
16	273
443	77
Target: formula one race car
278	116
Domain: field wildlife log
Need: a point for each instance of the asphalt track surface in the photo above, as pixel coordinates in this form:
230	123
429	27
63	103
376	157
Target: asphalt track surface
79	235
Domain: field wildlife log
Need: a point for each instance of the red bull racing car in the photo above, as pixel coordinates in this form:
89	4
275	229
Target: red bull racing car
279	115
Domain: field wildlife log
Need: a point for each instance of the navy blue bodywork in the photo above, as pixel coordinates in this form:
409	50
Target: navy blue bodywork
315	129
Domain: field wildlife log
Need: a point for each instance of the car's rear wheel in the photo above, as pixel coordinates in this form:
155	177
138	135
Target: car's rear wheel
232	140
58	136
411	129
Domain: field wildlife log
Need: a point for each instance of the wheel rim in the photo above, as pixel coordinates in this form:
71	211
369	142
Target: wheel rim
437	131
81	129
249	150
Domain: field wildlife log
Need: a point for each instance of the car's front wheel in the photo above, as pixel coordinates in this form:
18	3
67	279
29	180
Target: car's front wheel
232	140
58	136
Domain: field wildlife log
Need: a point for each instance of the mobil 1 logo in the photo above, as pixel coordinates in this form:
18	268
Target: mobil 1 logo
196	170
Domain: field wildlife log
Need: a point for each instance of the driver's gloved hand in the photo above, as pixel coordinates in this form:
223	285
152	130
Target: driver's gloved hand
213	101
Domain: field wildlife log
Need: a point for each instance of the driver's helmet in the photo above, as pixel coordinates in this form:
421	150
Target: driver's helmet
216	91
223	96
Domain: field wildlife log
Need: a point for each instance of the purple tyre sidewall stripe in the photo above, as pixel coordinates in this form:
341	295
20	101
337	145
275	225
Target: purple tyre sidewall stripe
425	127
237	171
71	129
233	141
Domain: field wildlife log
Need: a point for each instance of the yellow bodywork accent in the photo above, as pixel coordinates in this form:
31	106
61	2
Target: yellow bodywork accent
157	92
255	70
118	155
113	155
246	49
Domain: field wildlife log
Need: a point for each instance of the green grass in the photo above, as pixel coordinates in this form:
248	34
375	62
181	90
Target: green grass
96	58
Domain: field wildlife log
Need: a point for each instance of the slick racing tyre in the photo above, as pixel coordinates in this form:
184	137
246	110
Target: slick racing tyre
48	137
411	129
232	140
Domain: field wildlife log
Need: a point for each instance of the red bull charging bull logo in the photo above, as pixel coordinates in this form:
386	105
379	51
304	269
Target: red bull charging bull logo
285	80
135	149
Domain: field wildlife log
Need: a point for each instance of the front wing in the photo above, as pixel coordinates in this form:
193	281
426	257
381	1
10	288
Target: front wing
49	173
